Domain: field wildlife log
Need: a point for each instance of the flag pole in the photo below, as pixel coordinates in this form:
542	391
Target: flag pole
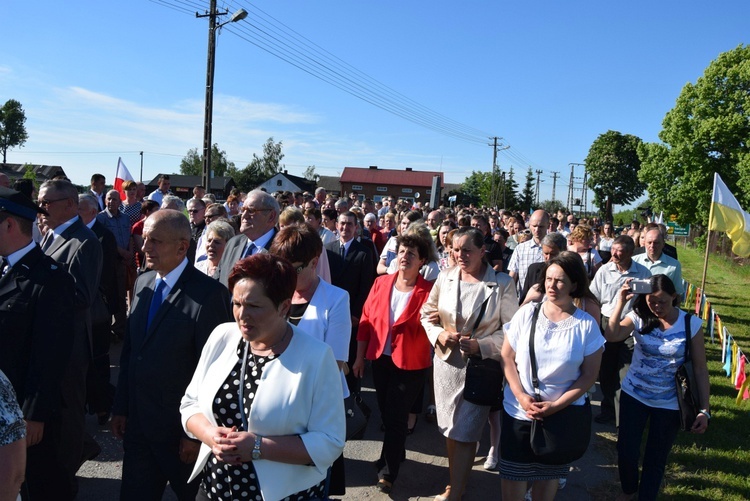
708	238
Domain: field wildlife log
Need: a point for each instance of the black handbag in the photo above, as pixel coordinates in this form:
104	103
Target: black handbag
687	389
357	415
564	436
484	376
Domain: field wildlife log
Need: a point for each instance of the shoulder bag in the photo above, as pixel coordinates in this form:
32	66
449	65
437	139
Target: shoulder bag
687	389
564	436
484	376
357	416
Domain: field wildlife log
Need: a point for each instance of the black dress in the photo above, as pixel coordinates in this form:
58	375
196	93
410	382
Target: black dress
240	482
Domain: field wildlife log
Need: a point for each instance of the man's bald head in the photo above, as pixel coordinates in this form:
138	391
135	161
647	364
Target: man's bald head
538	224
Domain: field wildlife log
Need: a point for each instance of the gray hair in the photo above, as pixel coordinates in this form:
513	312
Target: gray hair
168	200
65	188
555	239
221	228
89	201
266	201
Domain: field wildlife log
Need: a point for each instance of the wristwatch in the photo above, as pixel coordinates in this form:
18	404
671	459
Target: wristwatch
256	447
705	413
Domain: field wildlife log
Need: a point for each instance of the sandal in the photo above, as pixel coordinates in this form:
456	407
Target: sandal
384	486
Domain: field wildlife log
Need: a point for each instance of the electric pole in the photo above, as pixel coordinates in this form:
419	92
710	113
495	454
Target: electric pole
538	173
494	188
212	16
554	184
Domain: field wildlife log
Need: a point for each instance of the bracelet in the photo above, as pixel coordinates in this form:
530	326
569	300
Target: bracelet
705	413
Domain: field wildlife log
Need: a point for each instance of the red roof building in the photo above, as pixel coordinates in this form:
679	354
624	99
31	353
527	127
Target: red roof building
377	183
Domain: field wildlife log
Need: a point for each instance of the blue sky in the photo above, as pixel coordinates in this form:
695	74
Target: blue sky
102	80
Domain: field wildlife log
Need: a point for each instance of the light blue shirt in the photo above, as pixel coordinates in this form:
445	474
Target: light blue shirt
666	265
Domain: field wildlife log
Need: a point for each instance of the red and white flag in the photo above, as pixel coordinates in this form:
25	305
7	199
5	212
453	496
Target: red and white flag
122	175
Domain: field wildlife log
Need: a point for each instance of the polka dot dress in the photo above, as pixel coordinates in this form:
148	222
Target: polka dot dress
240	482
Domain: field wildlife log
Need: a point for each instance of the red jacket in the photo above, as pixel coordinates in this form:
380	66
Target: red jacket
410	347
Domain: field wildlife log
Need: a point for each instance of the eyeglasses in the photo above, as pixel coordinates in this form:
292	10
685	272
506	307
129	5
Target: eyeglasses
45	203
299	267
193	211
251	211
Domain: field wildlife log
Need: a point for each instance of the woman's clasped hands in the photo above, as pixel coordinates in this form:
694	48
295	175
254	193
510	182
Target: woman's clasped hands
231	446
537	410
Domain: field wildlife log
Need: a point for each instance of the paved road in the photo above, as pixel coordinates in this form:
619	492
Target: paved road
422	476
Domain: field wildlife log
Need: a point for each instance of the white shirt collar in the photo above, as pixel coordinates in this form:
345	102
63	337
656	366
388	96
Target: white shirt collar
171	277
19	254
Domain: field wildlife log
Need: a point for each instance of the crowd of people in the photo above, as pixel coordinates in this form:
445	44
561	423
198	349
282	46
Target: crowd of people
248	324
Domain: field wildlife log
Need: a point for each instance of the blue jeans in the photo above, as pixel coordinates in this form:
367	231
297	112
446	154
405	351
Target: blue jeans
663	427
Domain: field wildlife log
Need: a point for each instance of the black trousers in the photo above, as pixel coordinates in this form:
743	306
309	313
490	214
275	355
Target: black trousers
615	364
396	390
99	390
45	476
147	466
353	382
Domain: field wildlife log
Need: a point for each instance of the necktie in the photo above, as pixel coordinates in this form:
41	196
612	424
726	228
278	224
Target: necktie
249	250
47	240
342	251
156	300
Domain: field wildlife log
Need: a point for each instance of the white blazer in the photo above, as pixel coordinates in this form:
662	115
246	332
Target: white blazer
294	397
327	318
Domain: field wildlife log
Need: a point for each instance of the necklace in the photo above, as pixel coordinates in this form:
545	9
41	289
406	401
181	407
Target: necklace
278	343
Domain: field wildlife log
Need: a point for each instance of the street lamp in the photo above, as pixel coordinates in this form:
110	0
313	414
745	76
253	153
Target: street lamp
212	16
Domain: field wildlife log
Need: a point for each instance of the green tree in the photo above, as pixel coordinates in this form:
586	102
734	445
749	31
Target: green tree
526	200
552	206
29	172
511	193
707	131
310	174
612	166
270	163
260	168
192	163
12	127
474	189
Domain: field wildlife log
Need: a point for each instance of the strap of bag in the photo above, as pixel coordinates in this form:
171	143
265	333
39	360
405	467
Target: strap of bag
688	337
532	354
482	309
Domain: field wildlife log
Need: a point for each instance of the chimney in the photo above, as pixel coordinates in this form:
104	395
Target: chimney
408	169
375	167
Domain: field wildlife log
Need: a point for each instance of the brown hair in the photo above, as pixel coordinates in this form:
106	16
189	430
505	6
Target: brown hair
275	274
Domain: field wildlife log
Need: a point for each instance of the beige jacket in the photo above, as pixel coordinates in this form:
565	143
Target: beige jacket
501	306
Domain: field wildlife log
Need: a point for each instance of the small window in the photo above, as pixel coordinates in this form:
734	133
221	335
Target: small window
278	182
428	192
381	188
356	187
406	190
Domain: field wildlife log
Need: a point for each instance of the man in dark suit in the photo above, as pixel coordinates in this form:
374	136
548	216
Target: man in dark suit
77	249
99	391
352	269
36	334
260	213
175	308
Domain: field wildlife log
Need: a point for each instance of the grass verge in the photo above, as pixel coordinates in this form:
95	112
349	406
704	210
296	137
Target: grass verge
716	465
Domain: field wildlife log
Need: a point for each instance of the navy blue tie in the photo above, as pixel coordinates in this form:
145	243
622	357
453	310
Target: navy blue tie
156	300
249	250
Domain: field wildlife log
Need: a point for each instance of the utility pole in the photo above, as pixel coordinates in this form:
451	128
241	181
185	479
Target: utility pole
494	188
554	184
141	167
212	16
538	173
571	188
